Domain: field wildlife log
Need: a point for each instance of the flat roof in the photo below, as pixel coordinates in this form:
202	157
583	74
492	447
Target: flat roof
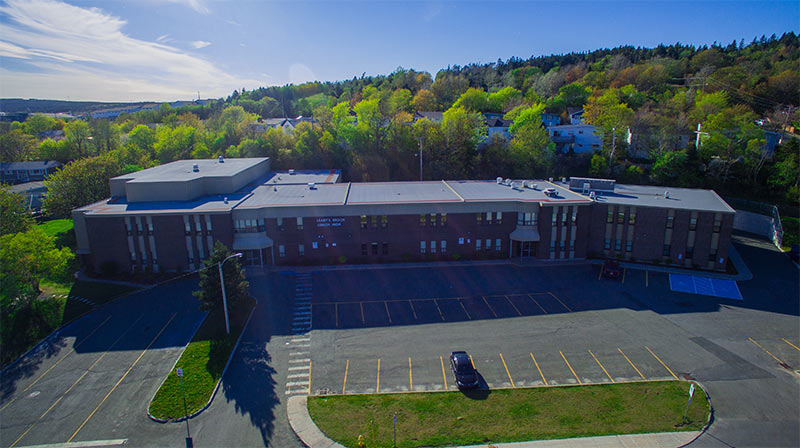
653	196
304	177
491	191
401	193
295	195
205	204
182	170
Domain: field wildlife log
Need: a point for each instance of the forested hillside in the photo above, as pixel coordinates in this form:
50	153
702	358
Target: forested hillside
645	102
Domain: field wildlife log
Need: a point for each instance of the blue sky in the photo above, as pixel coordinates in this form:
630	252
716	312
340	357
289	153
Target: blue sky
118	50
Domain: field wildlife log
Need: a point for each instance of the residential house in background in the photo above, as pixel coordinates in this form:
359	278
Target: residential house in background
496	125
435	117
575	115
20	172
550	120
287	124
34	192
580	138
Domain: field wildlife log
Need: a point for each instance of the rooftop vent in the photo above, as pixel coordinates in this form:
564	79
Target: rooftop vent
666	194
274	188
592	195
550	179
312	186
291	171
507	182
195	168
550	192
563	180
499	180
221	160
225	199
533	186
517	186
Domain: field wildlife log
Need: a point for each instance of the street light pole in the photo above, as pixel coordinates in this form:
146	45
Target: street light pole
224	295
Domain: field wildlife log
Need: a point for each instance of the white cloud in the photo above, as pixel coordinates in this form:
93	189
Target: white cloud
164	38
197	5
83	53
200	44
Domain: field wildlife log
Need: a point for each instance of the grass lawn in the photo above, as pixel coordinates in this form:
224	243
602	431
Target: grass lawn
55	227
508	415
202	362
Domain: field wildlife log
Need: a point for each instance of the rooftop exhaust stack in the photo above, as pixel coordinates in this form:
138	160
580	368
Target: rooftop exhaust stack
221	160
666	195
499	180
195	168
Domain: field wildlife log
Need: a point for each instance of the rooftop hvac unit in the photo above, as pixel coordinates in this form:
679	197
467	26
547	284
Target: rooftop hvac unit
517	186
550	192
563	180
291	171
195	168
592	195
550	179
507	182
221	160
666	194
524	184
533	186
312	186
499	180
225	200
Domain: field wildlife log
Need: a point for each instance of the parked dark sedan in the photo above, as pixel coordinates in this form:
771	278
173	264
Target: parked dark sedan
612	269
465	374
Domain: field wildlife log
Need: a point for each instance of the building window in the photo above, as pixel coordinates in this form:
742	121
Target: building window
363	221
667	248
422	246
477	244
422	219
188	230
149	228
433	219
299	223
479	218
628	246
712	256
610	216
498	244
444	219
364	249
670	221
632	218
607	244
693	224
555	216
574	214
617	244
572	245
717	224
374	248
280	223
443	246
488	244
461	241
373	221
621	218
488	217
564	215
552	246
301	249
689	252
282	251
526	219
498	217
314	245
384	221
385	248
433	247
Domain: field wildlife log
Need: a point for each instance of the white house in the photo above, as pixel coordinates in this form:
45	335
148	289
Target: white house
580	138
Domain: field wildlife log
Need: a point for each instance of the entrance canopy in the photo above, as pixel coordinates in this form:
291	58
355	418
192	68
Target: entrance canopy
251	241
525	233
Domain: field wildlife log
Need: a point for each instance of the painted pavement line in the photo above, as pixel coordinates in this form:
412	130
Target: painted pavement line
767	351
662	362
601	366
631	363
444	378
537	304
87	444
570	367
559	301
537	368
796	348
344	384
507	372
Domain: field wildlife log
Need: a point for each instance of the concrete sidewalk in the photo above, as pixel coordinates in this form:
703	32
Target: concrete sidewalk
312	437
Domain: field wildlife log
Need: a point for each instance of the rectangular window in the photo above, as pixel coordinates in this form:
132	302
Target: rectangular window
385	248
422	219
363	221
610	216
690	252
717	224
555	216
364	249
444	219
712	256
196	225
621	218
479	218
572	245
461	241
280	223
149	227
374	248
299	223
301	249
632	218
574	214
477	244
208	223
498	217
188	230
561	245
433	219
282	251
314	245
617	244
498	243
607	244
384	221
564	215
667	249
433	247
670	221
628	246
552	246
693	224
488	244
443	246
373	221
422	246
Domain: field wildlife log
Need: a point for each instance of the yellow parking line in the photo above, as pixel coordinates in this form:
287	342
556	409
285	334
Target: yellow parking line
378	382
472	362
537	368
537	304
465	309
507	372
624	271
601	366
767	351
387	312
336	312
512	304
438	309
344	384
122	377
662	362
600	275
631	363
784	340
559	301
71	351
309	377
570	367
444	378
363	321
410	378
413	310
487	304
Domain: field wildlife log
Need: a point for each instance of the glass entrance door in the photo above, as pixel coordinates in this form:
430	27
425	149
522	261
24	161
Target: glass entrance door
526	249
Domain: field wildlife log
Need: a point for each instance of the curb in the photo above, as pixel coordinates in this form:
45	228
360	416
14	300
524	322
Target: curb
216	388
710	415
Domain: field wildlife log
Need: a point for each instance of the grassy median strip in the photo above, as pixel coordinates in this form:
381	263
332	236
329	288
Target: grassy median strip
202	362
509	415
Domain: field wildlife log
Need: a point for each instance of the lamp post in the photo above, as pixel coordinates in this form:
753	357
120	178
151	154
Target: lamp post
224	296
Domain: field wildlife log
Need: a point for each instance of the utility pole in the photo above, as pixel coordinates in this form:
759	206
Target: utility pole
697	140
787	112
420	159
